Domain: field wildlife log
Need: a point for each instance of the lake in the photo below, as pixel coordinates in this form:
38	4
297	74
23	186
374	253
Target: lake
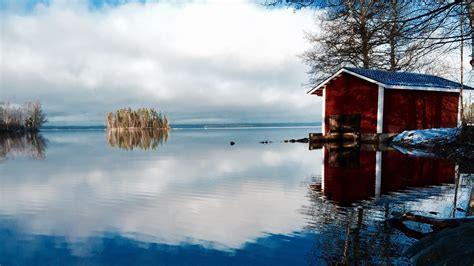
89	197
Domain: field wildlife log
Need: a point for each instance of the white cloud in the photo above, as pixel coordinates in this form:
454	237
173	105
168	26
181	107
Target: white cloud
199	60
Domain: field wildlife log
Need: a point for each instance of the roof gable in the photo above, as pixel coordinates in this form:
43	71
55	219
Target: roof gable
401	80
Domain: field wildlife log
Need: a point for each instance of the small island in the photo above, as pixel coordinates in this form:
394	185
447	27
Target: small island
143	118
28	117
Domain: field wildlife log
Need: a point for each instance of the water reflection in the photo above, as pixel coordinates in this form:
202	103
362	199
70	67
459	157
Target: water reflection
278	204
142	139
177	195
31	145
360	188
351	175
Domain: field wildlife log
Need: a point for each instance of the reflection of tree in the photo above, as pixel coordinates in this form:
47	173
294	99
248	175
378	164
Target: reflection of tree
352	235
142	139
358	234
22	144
350	224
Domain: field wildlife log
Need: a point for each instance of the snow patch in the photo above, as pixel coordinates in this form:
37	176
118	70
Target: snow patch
426	136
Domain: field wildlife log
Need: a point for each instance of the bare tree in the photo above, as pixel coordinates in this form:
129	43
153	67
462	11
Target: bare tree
29	117
470	13
35	117
408	44
391	35
349	34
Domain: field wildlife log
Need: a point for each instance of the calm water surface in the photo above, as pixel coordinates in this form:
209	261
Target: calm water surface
190	198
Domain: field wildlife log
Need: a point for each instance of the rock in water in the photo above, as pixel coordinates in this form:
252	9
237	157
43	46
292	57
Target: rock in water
303	140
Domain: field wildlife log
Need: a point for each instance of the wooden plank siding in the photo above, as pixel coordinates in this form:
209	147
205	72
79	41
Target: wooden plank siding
411	109
350	95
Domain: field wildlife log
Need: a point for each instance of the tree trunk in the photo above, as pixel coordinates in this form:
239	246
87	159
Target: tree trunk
393	32
470	11
363	34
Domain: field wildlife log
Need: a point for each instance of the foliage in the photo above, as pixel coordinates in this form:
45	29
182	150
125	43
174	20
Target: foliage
143	118
27	117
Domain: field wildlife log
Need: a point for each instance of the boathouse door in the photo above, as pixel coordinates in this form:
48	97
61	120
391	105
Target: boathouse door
344	127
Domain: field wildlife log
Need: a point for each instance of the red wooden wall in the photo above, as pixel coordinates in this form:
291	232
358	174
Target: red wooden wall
403	109
348	95
411	109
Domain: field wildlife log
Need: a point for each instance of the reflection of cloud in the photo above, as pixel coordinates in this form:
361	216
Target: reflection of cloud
201	193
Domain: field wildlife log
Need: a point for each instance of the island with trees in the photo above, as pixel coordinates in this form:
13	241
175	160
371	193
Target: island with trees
142	118
144	128
28	117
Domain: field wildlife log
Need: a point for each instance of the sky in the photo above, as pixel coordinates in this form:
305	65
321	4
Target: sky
205	61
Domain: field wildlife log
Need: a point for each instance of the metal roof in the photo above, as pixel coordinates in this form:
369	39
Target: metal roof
397	80
407	79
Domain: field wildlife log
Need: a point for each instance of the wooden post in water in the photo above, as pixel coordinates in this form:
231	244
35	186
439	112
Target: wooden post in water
456	187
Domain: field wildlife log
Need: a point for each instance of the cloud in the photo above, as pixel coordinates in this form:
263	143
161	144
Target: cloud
197	61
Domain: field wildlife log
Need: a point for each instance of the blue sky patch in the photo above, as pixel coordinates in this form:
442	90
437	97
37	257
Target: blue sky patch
27	6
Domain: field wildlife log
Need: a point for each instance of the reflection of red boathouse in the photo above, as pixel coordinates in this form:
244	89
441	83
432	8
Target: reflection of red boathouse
351	175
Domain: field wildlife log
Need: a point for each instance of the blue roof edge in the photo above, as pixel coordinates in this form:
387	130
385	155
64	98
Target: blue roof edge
374	75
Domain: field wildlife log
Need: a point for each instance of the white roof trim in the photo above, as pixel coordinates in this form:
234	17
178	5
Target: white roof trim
322	84
398	87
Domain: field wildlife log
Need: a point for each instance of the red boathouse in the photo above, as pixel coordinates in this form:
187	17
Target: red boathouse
382	102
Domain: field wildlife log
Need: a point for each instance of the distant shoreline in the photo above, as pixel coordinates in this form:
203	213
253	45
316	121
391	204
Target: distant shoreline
239	126
201	126
135	128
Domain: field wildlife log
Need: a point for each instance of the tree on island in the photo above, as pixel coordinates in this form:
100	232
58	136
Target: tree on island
28	117
143	118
